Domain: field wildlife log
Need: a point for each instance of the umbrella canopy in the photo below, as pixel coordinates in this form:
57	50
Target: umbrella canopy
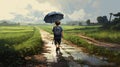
53	16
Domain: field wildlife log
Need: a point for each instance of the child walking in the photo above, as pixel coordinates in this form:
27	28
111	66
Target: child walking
58	34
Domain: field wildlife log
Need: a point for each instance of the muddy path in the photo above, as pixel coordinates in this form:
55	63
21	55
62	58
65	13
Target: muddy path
71	56
111	46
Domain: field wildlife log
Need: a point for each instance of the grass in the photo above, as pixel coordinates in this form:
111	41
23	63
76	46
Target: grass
15	35
106	36
95	32
16	42
70	35
32	46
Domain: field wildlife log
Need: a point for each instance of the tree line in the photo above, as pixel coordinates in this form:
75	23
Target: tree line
8	23
113	24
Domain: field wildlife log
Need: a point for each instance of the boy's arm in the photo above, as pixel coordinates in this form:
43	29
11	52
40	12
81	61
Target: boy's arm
53	29
62	34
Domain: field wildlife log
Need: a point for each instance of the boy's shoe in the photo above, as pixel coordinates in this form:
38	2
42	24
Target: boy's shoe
57	49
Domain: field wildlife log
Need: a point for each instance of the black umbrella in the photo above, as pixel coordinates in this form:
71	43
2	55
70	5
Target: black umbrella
53	16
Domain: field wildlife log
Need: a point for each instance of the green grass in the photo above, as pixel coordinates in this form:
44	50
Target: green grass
32	46
18	42
106	36
95	32
70	35
15	35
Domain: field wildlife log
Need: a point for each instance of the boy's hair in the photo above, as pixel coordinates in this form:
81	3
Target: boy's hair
57	22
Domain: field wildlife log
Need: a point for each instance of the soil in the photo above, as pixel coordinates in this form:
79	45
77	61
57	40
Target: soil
40	60
111	46
36	60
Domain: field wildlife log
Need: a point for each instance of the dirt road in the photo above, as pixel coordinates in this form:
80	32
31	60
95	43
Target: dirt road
71	56
111	46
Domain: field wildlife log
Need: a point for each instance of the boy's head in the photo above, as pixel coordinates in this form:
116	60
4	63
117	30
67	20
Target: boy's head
57	23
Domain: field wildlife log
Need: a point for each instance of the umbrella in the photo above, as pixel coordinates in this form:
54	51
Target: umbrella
53	16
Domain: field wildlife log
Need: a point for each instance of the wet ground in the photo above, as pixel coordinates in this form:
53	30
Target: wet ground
110	46
71	56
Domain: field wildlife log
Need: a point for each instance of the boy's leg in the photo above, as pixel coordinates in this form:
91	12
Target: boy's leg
55	41
59	42
57	45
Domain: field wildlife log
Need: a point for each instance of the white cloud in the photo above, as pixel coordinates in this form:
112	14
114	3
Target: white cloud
44	7
35	10
78	15
11	7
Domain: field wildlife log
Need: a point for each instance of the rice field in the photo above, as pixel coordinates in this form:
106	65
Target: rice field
71	32
95	32
16	42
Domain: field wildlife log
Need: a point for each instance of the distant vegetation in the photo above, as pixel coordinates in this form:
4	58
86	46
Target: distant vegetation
82	23
8	23
110	24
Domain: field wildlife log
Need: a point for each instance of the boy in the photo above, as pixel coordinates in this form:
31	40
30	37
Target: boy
57	31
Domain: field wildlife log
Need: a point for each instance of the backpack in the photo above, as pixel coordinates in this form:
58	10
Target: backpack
57	30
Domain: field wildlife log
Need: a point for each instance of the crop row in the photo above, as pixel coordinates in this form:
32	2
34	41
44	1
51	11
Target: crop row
14	46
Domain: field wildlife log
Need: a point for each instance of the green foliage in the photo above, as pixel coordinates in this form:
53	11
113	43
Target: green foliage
115	25
75	39
88	22
32	46
70	34
95	32
18	42
102	20
47	28
111	25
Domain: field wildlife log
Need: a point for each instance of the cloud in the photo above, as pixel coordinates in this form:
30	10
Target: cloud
12	6
35	10
78	15
14	9
69	7
44	7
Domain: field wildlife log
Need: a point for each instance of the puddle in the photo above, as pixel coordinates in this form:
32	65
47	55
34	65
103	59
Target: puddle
77	55
88	59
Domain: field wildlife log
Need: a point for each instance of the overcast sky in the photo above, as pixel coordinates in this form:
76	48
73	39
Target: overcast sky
35	10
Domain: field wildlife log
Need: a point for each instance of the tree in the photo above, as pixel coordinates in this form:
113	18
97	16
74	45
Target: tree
88	22
102	20
110	17
117	15
105	19
80	23
114	24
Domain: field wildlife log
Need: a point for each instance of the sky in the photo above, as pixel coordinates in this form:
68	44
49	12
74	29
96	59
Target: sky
30	11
